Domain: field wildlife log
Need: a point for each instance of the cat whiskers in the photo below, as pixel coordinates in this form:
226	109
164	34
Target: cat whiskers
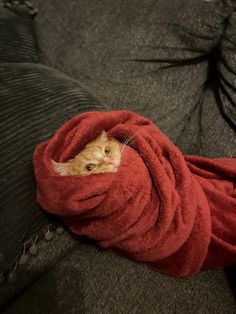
126	142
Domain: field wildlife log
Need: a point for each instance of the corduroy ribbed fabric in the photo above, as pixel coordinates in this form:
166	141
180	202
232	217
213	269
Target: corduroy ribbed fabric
35	101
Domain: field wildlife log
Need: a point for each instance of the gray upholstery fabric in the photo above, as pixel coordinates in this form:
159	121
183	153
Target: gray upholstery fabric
158	58
83	279
33	100
154	57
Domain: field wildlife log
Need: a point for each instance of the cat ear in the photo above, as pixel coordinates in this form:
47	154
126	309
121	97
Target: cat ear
64	169
103	137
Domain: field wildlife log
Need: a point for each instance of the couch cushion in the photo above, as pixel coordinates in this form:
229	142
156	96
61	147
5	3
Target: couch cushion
159	58
88	280
35	101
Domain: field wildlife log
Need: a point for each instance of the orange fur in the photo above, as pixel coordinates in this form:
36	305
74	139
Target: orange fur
99	156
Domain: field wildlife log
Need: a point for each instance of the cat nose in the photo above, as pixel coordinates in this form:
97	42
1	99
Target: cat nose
110	162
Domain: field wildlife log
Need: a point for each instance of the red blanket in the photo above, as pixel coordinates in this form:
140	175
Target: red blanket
175	213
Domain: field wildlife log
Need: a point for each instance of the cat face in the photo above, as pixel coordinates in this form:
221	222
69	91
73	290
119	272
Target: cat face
99	156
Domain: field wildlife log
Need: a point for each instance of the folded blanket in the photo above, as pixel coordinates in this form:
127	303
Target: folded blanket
174	213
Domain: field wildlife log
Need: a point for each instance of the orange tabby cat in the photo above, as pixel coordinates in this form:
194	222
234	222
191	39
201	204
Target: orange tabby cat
99	156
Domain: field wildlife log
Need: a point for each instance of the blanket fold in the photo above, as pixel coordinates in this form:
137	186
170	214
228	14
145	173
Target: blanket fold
174	213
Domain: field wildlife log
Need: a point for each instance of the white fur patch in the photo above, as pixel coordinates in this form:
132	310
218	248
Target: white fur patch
98	155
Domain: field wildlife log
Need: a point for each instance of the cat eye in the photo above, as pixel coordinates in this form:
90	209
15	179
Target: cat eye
107	150
90	167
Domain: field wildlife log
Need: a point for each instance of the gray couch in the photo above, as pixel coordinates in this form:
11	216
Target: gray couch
174	62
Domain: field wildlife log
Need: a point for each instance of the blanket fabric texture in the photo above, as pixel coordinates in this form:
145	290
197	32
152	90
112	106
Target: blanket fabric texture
174	213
